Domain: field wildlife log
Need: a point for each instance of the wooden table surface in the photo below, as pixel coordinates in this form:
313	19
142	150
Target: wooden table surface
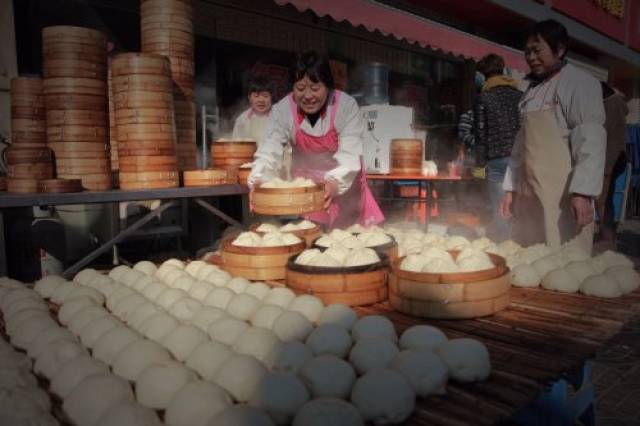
538	338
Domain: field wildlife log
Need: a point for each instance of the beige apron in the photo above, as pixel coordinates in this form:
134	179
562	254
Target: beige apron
543	204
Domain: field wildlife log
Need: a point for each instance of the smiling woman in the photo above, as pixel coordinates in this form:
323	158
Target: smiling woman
325	130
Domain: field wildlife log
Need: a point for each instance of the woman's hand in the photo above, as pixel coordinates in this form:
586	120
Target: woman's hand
506	205
582	208
330	191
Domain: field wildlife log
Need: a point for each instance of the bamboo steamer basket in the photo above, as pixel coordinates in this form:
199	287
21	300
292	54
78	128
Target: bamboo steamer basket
113	130
28	125
76	118
127	64
258	263
67	52
78	149
288	201
450	296
142	83
74	85
65	33
26	85
3	183
16	154
126	145
76	133
209	177
353	286
22	185
59	185
243	175
144	116
149	180
74	68
30	171
232	154
306	235
76	102
406	156
91	181
143	163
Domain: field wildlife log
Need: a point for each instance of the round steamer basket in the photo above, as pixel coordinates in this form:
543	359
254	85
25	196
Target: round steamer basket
243	176
450	296
76	133
232	154
353	286
205	177
18	155
91	181
406	156
257	263
144	116
74	85
142	82
74	68
288	201
389	249
3	183
144	163
72	101
60	185
149	180
30	171
126	64
306	235
76	118
66	33
22	185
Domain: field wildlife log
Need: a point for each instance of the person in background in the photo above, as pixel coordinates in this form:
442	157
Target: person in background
325	129
557	163
252	123
465	130
497	120
616	110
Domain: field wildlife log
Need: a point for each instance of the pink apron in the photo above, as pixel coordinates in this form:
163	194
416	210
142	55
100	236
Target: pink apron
313	158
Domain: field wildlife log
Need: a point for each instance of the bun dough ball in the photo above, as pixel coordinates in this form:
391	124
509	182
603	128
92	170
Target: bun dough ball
45	286
247	239
130	277
241	415
288	357
371	353
118	271
475	262
200	290
339	234
352	242
257	342
426	372
196	403
482	243
383	397
265	316
227	330
290	239
279	296
374	326
46	338
142	312
328	375
328	411
73	372
61	291
26	332
546	264
184	309
183	340
414	262
137	356
467	359
219	298
25	303
157	326
153	290
272	240
309	306
306	256
126	306
243	306
206	316
112	342
627	277
84	277
330	339
160	381
91	332
267	227
129	413
338	314
561	280
258	290
292	326
238	284
94	396
174	262
170	296
580	269
610	258
81	291
601	285
361	257
58	354
456	242
205	270
72	307
325	261
239	375
20	408
422	337
442	266
524	275
281	395
184	282
142	283
338	252
146	267
118	294
374	239
194	266
207	358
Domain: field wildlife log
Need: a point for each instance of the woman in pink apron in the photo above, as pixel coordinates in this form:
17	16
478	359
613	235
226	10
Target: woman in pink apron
324	127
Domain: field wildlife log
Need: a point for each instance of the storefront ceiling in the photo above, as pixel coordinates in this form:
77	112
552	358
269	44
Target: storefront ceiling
376	16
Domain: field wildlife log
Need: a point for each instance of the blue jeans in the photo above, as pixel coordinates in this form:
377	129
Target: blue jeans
500	228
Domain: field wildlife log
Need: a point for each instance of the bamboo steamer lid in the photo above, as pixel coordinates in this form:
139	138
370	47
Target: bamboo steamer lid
288	201
406	156
74	85
76	117
59	185
204	177
74	68
173	49
30	171
140	63
258	263
18	155
91	181
22	185
73	101
77	133
142	83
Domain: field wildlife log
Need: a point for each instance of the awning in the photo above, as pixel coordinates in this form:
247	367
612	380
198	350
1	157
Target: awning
412	28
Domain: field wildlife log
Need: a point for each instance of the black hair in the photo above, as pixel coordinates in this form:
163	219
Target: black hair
552	32
260	83
606	90
491	65
314	66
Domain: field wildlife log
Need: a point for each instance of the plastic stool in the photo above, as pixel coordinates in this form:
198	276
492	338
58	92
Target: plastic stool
556	407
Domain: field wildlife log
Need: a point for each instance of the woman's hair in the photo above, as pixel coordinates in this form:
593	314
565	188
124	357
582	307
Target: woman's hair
491	65
314	66
260	83
552	32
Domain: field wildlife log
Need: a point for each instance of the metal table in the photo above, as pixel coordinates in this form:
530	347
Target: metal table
10	200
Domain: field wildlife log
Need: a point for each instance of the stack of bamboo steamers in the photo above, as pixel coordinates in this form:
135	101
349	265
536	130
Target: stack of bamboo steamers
167	29
75	89
28	159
